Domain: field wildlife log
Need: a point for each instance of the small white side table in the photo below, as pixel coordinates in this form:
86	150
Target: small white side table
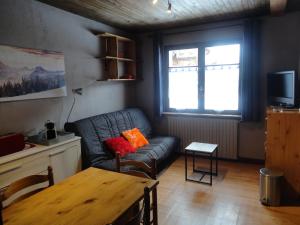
204	149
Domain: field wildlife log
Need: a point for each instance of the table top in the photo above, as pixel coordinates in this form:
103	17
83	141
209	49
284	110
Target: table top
201	147
90	197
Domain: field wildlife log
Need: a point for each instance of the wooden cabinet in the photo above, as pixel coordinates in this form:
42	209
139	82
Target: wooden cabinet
64	157
65	161
14	169
119	55
283	148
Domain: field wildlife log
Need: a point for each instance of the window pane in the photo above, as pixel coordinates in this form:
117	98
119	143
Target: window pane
183	57
183	88
221	87
222	54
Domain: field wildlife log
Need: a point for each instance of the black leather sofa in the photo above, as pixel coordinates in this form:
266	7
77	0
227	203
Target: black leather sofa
95	130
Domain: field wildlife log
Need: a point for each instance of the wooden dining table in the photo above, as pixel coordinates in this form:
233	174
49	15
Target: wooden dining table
90	197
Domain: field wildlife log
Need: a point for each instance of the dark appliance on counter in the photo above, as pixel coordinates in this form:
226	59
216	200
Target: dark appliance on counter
50	130
11	143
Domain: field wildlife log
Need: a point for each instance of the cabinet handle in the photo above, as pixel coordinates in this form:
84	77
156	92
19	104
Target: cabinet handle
11	168
57	152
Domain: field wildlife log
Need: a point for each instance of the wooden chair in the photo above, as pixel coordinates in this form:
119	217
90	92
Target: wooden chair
1	220
137	218
144	171
135	215
25	182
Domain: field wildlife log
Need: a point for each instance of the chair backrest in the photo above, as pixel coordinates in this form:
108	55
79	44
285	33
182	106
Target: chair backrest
25	182
143	170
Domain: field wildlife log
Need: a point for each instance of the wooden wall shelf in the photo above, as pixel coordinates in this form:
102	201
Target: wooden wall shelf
116	80
119	57
109	35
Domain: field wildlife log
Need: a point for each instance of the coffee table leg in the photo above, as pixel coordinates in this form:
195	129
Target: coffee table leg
211	172
185	158
217	161
193	161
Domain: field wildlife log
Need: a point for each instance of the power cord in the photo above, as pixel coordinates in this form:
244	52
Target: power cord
77	91
71	109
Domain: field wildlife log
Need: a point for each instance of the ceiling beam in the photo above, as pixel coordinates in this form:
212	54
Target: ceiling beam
277	7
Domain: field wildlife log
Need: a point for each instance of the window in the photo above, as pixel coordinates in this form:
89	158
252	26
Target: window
183	79
203	78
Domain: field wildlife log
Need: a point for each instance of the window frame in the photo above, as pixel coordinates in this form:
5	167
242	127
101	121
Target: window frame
201	76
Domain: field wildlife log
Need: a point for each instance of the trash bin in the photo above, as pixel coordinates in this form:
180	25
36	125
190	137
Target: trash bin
270	186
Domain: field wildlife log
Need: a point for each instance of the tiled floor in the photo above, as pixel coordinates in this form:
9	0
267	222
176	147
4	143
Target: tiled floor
232	200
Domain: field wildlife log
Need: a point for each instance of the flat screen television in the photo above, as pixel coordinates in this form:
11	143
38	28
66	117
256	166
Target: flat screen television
282	89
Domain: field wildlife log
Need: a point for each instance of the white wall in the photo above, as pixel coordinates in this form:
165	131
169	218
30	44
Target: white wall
32	24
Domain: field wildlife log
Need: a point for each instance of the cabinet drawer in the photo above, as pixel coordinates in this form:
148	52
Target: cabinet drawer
14	170
62	148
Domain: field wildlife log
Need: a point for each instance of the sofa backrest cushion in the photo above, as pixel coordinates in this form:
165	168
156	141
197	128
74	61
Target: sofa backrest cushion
96	129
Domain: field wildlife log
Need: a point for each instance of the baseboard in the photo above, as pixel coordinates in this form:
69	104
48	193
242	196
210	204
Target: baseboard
250	160
240	159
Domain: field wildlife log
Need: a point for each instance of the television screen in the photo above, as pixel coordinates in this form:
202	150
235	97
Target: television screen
282	88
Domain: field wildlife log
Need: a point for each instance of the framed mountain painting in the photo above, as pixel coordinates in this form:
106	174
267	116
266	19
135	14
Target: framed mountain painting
30	74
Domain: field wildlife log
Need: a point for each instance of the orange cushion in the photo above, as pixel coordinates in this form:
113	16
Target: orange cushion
135	138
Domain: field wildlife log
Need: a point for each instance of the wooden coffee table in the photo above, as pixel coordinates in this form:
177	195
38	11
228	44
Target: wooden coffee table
202	149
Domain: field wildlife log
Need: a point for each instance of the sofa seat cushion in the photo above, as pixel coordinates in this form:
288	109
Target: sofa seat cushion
160	148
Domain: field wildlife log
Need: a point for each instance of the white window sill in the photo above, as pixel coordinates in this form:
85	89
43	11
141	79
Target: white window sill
216	115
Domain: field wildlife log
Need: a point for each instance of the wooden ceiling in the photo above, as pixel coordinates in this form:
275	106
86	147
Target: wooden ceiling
143	15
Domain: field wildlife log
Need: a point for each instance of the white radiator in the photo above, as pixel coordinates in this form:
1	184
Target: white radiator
223	132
